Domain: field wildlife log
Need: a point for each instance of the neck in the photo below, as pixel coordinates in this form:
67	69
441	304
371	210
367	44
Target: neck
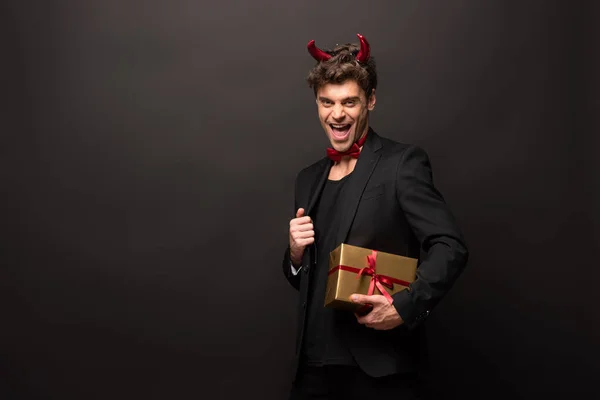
364	132
342	168
347	164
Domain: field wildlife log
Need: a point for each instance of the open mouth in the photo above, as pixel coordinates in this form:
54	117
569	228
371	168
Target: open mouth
340	131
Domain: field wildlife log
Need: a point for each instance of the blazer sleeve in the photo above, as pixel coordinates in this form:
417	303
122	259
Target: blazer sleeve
294	280
436	230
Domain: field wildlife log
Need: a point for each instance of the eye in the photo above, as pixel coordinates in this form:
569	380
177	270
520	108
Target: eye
350	103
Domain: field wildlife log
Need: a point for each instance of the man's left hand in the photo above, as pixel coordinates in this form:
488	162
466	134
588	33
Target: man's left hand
383	316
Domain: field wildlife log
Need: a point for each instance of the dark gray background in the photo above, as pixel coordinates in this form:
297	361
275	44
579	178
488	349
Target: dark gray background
148	153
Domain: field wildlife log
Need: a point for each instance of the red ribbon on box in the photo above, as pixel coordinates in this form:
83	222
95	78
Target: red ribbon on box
377	280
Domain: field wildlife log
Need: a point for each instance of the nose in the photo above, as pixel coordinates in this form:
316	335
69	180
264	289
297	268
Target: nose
338	112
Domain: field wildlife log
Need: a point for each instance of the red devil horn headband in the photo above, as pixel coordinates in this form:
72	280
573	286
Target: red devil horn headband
365	50
362	56
317	53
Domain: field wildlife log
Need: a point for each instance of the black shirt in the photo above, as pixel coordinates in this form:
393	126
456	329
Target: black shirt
322	343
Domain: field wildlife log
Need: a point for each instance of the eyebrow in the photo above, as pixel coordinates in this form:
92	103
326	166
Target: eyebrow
356	98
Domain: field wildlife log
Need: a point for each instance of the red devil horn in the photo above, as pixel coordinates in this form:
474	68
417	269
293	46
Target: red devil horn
317	53
365	50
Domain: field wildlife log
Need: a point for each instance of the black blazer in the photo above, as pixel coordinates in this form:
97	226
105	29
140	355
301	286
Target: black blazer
390	205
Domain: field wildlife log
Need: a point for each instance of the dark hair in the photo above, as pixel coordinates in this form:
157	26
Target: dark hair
342	66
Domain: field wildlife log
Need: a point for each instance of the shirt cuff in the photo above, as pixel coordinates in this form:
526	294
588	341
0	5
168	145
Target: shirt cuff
294	270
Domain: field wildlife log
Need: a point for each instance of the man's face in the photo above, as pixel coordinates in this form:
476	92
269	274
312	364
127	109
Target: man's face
343	112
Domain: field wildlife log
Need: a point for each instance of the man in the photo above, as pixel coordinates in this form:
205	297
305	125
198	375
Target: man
378	194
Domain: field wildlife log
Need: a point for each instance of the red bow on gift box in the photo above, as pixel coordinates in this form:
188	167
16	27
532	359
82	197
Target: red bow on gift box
377	280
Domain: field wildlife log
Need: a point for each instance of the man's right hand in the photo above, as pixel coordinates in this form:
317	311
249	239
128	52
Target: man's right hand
302	234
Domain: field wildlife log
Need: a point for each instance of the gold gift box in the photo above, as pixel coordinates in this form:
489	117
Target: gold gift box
341	284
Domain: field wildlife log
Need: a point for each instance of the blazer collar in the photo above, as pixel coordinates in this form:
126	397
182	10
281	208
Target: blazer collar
367	161
365	165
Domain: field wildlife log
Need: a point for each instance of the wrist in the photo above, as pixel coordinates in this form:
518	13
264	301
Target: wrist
296	259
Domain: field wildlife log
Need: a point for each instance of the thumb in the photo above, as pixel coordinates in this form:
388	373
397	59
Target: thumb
300	212
360	299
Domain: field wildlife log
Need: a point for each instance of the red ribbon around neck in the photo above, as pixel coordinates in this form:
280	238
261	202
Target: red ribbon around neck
377	280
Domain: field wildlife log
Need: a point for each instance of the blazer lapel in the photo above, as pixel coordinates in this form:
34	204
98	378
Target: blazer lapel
317	187
369	157
310	254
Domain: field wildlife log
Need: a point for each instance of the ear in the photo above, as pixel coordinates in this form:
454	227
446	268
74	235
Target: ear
371	101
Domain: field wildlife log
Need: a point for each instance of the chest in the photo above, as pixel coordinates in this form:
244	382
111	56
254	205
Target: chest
340	171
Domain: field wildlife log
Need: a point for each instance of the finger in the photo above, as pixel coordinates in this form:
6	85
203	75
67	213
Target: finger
302	228
363	320
305	242
365	299
364	309
360	298
303	235
300	212
300	221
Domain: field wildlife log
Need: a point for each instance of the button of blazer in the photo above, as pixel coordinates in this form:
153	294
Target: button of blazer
423	315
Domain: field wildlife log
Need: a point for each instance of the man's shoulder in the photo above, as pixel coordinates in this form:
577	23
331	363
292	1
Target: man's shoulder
393	145
395	148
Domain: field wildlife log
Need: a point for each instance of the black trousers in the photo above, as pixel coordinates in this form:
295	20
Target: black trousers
347	383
